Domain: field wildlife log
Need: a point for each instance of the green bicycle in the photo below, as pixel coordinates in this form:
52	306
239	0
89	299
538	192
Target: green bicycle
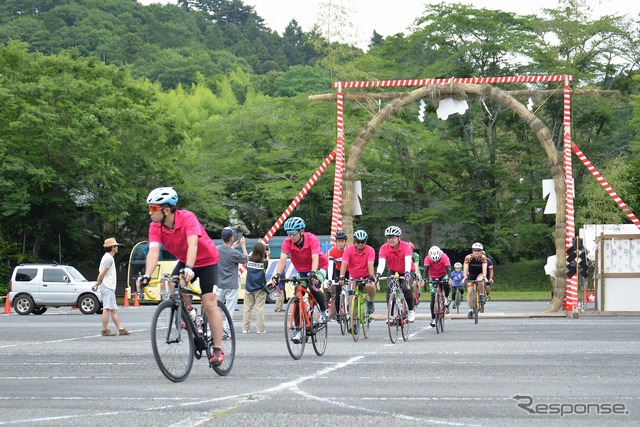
359	317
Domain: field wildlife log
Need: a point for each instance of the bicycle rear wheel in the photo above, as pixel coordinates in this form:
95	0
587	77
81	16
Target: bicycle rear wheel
405	324
173	347
354	319
441	314
393	318
343	315
228	341
475	306
296	349
436	312
319	331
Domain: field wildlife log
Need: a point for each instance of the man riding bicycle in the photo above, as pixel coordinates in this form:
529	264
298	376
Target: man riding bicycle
437	266
475	268
396	256
308	260
457	280
335	262
180	232
358	259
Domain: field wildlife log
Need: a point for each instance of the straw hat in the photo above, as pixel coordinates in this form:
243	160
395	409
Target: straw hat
110	242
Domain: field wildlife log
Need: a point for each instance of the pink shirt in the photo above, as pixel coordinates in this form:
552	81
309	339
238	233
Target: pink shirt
358	263
395	257
301	257
437	269
185	224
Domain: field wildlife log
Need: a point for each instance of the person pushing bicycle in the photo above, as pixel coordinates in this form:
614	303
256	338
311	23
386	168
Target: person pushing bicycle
180	232
358	259
437	266
475	268
396	256
307	258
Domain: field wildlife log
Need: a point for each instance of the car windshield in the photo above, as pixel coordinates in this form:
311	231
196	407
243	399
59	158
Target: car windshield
77	276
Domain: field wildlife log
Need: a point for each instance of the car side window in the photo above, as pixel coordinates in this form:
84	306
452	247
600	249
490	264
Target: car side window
53	275
26	274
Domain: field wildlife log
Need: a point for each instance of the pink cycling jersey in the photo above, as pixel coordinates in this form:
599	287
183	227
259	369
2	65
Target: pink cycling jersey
358	263
301	256
395	257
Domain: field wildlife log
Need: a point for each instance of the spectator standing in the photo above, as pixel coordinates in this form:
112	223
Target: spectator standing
107	283
228	285
255	289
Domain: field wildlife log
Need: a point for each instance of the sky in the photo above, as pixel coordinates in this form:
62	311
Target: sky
370	15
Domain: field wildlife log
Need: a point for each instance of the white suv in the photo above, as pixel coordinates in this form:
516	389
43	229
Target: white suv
34	287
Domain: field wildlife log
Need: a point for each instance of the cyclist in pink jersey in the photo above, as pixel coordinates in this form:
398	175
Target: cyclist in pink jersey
396	255
180	232
358	259
437	266
307	258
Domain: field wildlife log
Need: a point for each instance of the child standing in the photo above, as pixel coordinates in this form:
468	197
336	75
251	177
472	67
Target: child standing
255	294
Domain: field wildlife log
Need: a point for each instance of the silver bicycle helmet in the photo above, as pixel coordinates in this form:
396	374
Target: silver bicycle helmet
477	245
393	231
341	235
435	253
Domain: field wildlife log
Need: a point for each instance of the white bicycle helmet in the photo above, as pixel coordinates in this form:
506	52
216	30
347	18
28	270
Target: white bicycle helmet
457	265
392	231
477	245
435	253
162	196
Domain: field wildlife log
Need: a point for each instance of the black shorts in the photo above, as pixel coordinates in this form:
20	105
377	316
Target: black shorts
208	276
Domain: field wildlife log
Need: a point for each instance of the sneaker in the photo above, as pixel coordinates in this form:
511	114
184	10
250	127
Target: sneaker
123	331
217	357
447	302
323	317
370	307
245	332
108	333
470	314
261	332
433	323
297	337
391	322
483	299
488	296
411	316
453	306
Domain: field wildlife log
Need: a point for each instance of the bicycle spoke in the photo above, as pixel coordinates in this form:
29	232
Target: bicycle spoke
320	332
228	341
173	347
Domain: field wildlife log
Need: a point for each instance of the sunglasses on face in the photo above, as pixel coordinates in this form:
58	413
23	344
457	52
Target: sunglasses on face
359	242
292	233
477	250
154	208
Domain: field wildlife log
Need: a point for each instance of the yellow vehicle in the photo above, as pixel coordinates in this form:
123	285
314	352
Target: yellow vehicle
137	261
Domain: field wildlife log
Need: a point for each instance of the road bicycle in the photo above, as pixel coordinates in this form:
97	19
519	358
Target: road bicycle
359	316
342	311
177	338
439	306
397	309
476	304
456	296
303	315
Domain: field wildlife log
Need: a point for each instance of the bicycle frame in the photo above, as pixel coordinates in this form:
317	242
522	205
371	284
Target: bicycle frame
358	311
342	311
439	307
397	309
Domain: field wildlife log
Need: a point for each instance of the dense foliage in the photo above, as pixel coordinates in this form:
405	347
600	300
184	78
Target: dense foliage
100	101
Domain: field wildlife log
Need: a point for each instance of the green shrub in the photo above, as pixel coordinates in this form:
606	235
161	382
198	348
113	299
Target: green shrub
521	276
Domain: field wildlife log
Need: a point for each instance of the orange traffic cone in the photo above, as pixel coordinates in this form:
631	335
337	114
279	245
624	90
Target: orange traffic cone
136	302
7	305
126	297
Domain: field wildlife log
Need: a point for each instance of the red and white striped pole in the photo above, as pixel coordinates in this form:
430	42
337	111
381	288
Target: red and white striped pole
296	200
603	182
336	210
571	297
463	80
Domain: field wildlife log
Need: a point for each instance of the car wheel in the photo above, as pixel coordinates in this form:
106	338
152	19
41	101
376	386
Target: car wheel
272	294
39	309
88	304
23	304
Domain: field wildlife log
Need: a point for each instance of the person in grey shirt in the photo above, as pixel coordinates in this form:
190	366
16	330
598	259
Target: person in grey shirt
228	283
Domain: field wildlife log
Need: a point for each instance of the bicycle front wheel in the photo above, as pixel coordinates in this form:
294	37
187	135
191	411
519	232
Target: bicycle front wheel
319	331
475	306
405	324
393	319
458	298
364	316
441	314
173	347
295	336
354	319
343	315
436	312
228	341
